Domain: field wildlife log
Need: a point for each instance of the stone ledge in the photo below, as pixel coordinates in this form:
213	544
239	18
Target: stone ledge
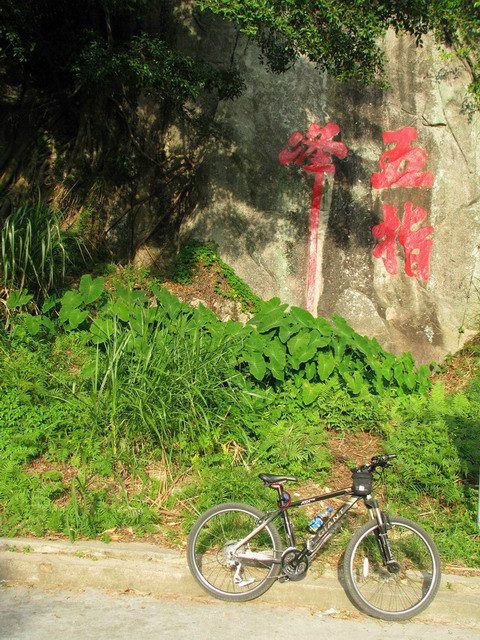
146	568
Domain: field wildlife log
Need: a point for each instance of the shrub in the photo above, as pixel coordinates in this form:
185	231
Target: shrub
226	483
437	439
287	437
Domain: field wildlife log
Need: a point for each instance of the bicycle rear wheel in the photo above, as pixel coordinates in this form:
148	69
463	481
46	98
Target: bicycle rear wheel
213	562
408	589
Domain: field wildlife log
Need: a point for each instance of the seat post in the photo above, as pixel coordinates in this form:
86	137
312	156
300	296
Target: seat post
278	487
283	500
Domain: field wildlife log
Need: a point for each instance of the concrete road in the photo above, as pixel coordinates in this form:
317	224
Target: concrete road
37	613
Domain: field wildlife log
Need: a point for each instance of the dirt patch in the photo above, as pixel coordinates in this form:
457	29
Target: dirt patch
350	450
202	288
41	465
459	370
209	288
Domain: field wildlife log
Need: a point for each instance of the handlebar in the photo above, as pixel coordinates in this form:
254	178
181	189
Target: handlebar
375	462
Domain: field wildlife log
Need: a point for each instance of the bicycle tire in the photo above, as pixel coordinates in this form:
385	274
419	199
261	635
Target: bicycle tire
392	596
209	559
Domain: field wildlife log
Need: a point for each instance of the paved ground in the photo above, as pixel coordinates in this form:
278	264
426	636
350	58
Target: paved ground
56	589
36	613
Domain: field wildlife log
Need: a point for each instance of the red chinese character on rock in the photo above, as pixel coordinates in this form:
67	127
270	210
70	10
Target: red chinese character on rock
416	244
386	231
402	166
316	146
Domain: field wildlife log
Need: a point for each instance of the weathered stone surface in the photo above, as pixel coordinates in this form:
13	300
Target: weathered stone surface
225	309
258	211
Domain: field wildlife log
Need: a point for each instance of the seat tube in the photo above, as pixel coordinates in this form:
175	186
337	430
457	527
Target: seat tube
289	529
283	505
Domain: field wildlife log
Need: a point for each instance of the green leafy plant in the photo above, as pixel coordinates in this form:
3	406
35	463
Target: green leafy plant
294	345
18	299
294	445
438	440
136	345
34	249
107	379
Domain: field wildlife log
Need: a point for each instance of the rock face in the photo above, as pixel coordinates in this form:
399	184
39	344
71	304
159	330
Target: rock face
413	282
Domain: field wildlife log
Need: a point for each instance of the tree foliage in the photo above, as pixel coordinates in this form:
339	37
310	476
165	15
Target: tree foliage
68	49
344	36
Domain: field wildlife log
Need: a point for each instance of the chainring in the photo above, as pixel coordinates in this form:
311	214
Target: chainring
293	569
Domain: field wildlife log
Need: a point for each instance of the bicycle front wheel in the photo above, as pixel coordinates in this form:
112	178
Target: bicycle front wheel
404	590
223	570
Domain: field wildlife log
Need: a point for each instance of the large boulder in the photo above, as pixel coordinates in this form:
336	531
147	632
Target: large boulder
420	293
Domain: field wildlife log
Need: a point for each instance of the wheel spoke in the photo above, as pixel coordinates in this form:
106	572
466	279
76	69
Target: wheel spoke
215	564
398	594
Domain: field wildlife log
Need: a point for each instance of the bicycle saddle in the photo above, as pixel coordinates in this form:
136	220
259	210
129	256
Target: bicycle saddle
268	478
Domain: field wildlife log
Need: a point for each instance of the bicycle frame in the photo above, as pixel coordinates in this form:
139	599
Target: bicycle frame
391	567
319	539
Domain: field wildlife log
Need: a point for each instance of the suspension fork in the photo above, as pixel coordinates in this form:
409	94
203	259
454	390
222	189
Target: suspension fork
381	534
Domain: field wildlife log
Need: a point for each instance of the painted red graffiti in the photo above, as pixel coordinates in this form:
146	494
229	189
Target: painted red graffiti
317	146
386	231
417	245
402	166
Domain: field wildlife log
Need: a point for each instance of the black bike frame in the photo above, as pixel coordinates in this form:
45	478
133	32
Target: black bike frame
316	541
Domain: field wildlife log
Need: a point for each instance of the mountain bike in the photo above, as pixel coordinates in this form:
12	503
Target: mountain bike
391	566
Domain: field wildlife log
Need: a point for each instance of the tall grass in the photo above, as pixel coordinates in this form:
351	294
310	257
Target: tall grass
35	249
172	389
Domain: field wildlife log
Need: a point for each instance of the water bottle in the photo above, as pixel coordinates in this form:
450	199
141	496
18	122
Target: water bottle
319	519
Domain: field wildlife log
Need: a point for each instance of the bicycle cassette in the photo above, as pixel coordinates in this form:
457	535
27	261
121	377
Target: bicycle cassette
294	568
